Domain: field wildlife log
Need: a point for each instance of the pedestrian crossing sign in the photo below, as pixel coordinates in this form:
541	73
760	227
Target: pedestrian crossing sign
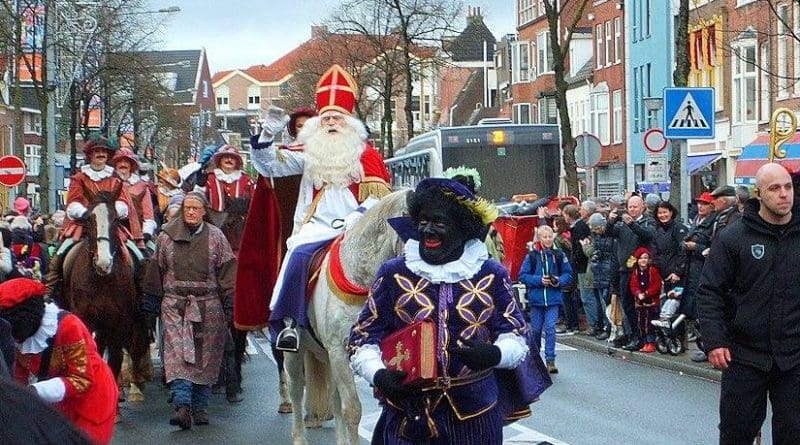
689	113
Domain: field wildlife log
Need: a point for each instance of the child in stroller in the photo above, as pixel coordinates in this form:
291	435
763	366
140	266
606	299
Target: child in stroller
670	327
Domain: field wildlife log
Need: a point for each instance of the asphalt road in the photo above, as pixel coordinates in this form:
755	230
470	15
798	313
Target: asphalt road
596	399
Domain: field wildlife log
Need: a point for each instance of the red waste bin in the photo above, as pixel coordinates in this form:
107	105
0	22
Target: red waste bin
516	232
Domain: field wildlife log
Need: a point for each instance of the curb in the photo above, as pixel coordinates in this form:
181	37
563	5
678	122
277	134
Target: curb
656	360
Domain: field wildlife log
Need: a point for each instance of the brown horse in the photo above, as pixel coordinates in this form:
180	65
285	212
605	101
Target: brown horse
99	287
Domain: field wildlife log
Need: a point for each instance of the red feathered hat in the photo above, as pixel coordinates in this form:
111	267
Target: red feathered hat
130	156
336	90
227	150
641	251
17	290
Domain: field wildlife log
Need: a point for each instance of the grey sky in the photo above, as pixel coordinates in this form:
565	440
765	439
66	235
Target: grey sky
240	33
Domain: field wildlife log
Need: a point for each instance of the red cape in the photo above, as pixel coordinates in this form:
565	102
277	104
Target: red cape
259	259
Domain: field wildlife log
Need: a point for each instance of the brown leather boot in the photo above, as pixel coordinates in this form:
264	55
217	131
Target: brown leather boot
200	417
182	417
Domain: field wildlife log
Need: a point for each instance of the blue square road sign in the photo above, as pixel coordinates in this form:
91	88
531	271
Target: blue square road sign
689	113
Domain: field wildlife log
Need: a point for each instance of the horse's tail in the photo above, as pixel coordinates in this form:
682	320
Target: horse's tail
319	388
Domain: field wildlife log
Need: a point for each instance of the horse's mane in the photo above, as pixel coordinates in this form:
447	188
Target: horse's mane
371	241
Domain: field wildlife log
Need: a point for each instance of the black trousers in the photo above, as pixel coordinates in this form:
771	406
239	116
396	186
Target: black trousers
628	307
743	404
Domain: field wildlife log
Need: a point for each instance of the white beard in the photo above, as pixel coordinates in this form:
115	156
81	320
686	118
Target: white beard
333	158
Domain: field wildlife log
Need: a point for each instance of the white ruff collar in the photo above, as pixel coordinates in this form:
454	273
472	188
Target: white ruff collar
38	341
229	178
470	262
95	175
133	179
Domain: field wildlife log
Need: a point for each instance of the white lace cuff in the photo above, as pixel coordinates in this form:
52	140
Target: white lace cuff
122	209
51	390
513	350
149	226
367	361
75	210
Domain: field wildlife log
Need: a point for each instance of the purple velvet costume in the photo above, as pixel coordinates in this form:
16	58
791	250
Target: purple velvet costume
463	407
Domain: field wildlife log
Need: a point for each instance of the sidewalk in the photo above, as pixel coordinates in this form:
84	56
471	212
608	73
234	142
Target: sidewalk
680	363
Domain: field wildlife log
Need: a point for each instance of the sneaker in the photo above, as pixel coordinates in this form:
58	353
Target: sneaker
234	397
603	335
591	332
551	367
287	340
182	417
560	329
699	357
634	345
620	341
200	416
648	348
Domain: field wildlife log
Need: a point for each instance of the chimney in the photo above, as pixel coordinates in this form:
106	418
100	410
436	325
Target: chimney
319	31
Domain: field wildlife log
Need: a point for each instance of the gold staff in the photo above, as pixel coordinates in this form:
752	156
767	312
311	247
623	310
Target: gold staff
782	127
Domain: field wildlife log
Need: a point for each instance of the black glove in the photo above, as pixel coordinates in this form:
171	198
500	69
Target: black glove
148	237
477	355
390	383
84	216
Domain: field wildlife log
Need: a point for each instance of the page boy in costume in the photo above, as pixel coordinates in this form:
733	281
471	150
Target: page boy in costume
56	352
445	276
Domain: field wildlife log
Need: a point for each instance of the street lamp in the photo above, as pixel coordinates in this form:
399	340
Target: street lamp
653	105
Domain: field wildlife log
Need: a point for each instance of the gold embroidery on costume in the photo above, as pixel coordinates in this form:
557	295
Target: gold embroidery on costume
476	294
77	358
360	328
416	293
372	186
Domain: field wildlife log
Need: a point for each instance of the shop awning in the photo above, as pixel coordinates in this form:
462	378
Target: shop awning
696	162
756	154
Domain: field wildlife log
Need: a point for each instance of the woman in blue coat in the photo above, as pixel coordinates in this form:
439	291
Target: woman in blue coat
545	272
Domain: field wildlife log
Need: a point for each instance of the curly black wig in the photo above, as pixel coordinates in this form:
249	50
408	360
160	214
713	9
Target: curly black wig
25	318
467	222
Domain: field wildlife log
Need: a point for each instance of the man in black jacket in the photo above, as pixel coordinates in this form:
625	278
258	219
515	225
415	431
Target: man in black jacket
579	231
749	305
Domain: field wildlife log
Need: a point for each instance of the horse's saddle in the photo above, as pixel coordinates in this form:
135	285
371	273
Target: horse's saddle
68	251
314	268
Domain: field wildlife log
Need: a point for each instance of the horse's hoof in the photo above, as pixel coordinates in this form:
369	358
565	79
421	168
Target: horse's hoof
285	408
312	424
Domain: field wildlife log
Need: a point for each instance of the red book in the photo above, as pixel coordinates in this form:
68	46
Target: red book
412	349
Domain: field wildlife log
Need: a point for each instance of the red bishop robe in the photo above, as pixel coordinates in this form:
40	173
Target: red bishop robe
263	243
90	392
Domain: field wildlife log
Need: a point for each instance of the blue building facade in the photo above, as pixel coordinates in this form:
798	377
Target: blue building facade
649	53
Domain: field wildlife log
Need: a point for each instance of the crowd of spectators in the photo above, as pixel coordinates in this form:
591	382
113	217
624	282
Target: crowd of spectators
629	256
28	240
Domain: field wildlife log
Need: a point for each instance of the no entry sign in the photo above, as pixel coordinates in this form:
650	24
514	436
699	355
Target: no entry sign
12	171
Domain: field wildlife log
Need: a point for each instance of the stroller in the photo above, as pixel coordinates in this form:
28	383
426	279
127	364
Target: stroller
670	333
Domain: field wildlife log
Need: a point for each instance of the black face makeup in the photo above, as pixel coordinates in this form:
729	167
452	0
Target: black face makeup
440	240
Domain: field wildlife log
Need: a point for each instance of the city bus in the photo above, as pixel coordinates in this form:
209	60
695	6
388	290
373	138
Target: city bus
511	158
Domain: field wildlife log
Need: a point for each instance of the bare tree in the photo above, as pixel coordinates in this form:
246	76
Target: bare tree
400	28
555	13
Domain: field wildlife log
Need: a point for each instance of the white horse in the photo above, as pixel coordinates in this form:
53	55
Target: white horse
365	247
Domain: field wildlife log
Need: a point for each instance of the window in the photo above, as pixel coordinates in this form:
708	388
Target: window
796	50
285	88
743	2
548	113
254	97
522	113
609	59
635	21
648	23
525	11
205	89
744	82
520	52
600	121
783	51
617	98
765	91
33	123
544	60
637	97
33	159
598	41
618	39
223	95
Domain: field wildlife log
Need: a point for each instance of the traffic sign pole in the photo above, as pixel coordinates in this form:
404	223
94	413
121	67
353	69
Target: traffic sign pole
684	180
